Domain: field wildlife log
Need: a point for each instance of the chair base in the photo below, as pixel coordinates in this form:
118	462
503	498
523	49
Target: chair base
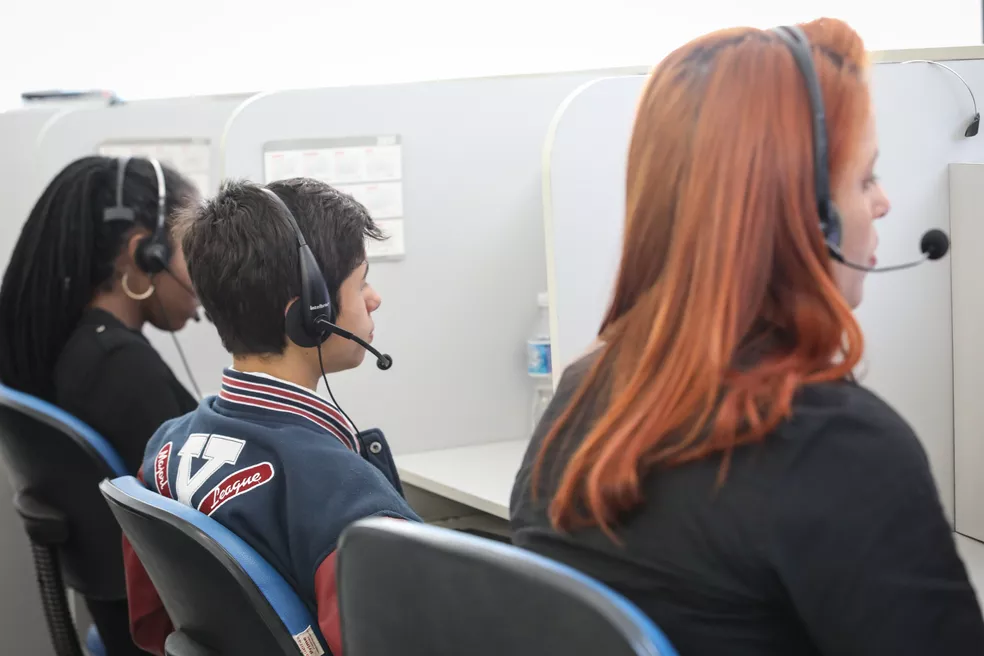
58	616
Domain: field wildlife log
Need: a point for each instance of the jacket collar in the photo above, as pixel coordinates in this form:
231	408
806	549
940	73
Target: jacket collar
262	392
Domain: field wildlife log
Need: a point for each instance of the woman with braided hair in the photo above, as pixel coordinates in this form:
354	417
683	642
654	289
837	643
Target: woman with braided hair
74	298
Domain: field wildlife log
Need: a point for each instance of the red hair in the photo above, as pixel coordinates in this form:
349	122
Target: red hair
724	305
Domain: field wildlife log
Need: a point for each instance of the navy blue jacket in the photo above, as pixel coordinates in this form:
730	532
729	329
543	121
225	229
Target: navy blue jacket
284	470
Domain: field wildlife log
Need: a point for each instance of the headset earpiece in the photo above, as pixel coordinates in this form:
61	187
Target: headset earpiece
295	330
151	256
153	253
830	223
314	292
314	308
310	319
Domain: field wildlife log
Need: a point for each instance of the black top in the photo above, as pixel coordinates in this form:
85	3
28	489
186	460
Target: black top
827	538
111	378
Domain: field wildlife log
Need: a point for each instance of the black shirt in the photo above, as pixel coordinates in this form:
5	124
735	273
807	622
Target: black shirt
827	538
111	378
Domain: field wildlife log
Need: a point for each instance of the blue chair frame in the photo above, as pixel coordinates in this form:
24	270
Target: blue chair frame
153	522
55	462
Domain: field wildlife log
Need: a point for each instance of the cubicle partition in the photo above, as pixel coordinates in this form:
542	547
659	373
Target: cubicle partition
584	166
21	616
184	132
174	129
452	170
922	113
19	185
37	143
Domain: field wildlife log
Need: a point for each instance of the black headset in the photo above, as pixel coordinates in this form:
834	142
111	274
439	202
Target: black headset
310	320
153	254
830	220
934	243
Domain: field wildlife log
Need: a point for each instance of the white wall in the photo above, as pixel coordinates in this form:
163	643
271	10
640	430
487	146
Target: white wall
147	49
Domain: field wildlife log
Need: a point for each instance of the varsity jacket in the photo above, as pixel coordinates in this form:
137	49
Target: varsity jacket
284	470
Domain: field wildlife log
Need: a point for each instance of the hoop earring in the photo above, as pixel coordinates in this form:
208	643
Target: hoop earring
137	297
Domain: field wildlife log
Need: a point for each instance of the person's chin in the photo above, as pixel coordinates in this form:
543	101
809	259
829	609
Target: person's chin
173	325
855	297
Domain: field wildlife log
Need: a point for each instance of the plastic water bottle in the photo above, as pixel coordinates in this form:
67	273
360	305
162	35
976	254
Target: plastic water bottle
539	364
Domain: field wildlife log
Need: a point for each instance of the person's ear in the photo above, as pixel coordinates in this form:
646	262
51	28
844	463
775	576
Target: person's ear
289	303
130	258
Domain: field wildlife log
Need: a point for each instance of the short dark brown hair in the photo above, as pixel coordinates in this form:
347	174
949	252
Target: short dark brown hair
242	256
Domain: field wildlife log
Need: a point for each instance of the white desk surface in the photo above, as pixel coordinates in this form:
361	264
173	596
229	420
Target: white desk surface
479	476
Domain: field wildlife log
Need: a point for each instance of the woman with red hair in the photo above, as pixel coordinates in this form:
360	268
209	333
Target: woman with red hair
713	458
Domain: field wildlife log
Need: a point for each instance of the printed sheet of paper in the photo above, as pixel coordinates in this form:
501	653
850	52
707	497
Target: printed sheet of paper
393	246
190	157
370	169
384	200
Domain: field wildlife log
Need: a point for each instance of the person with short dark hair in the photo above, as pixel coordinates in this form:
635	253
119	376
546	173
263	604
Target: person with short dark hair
267	457
74	300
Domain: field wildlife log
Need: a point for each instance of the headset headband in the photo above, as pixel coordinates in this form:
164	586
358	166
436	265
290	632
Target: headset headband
310	320
153	253
161	200
119	212
799	47
287	214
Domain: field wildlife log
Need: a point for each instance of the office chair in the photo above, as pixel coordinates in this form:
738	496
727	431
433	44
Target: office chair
222	596
55	463
417	590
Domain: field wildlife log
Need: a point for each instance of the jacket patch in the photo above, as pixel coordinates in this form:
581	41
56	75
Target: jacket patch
161	461
235	484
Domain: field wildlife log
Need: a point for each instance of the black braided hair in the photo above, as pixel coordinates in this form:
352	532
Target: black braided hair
66	252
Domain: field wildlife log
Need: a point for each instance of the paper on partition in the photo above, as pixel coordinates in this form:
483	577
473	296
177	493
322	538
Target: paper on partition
348	165
316	163
282	165
377	159
393	246
383	200
191	158
370	169
383	163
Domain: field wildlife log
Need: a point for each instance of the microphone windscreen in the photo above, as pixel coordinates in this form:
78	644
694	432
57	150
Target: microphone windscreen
384	362
934	244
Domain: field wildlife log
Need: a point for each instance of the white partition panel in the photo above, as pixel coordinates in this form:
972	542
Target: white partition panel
19	184
967	233
148	127
22	626
584	168
460	300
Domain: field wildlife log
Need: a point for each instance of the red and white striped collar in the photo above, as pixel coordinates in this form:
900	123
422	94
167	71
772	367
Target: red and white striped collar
268	393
